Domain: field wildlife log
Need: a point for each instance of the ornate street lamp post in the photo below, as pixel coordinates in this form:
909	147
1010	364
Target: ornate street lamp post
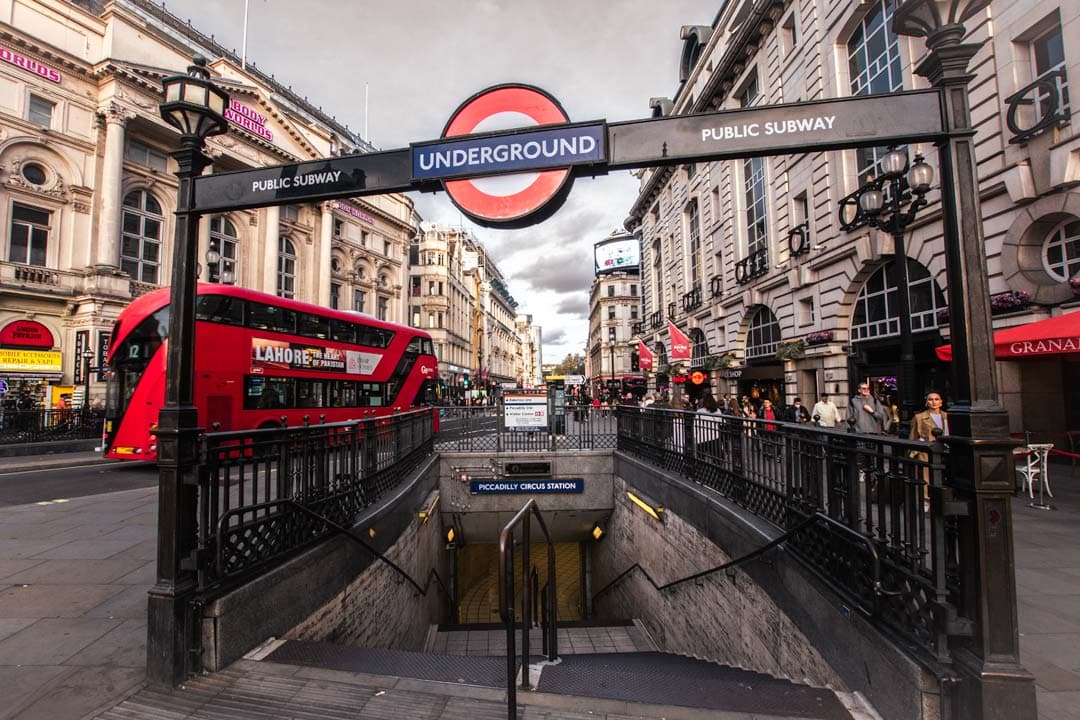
883	204
992	683
195	107
87	355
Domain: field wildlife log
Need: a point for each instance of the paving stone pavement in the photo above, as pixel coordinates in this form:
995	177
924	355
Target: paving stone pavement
74	578
73	582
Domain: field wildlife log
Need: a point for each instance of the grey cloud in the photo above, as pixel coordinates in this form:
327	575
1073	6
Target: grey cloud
576	304
554	337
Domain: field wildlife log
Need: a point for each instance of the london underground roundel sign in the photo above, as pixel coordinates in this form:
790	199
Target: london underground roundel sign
517	187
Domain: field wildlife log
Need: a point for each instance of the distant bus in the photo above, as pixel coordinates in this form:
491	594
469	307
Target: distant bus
261	361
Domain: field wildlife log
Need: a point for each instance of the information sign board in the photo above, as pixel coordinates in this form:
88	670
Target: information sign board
526	412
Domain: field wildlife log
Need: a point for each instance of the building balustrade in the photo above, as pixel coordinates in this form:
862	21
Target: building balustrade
137	288
692	300
1046	98
672	310
42	278
752	266
656	319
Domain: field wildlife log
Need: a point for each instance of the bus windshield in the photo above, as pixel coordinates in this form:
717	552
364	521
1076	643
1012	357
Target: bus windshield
130	359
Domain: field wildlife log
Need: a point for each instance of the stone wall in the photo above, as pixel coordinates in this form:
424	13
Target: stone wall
379	608
724	617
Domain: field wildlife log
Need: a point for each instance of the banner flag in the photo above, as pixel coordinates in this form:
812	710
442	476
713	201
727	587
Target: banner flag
680	344
645	358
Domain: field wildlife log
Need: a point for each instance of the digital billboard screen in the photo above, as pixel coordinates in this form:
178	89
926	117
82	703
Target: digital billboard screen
617	255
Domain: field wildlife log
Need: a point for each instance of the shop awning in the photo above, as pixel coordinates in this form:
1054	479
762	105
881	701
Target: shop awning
1054	336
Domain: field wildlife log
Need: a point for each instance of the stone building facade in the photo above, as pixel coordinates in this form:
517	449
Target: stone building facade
614	311
755	260
87	191
459	295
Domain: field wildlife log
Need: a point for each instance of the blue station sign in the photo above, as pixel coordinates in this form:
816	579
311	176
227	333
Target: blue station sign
507	487
515	151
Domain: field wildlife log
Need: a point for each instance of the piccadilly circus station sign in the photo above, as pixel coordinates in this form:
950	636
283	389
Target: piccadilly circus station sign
508	155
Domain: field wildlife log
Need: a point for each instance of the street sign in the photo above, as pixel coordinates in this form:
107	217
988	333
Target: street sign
521	199
333	177
545	487
865	120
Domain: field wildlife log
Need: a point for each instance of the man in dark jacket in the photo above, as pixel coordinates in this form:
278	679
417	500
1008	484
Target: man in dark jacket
799	413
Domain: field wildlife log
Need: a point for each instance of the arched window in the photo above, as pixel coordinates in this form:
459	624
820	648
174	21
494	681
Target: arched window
224	242
763	336
876	313
874	67
1061	250
140	245
286	268
699	348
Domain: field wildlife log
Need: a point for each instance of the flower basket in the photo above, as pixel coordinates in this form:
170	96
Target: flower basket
791	350
1004	302
716	362
819	338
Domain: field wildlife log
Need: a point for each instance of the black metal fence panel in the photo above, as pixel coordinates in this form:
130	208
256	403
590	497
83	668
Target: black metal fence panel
483	430
249	478
883	540
40	425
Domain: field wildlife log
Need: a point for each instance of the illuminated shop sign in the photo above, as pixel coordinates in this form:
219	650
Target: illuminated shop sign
501	487
31	361
276	355
350	210
19	61
245	117
27	334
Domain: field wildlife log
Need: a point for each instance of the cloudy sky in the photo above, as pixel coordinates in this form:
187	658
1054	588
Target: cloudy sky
420	59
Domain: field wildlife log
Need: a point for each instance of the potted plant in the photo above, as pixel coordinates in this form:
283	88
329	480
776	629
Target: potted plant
716	362
1009	301
791	349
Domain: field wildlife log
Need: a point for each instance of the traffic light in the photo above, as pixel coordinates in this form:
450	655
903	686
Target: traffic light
465	382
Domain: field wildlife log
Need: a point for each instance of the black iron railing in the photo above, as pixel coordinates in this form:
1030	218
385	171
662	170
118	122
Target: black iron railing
28	426
249	481
716	286
485	429
692	300
638	328
522	522
752	266
656	319
1040	106
879	544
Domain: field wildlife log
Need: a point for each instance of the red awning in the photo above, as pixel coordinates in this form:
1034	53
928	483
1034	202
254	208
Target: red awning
1054	336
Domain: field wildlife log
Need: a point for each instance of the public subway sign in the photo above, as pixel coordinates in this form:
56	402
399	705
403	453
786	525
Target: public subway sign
508	155
243	116
778	129
21	61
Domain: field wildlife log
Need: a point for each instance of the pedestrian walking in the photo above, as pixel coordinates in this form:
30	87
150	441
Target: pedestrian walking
825	412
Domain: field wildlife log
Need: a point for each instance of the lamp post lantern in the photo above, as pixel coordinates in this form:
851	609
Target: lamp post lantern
890	203
195	107
992	684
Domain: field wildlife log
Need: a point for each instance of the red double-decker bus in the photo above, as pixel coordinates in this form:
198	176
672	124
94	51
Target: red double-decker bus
262	361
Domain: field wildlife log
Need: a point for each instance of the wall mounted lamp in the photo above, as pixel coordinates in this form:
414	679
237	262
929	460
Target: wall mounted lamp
597	531
425	513
656	513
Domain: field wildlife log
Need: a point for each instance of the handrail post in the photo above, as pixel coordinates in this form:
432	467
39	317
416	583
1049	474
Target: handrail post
508	619
552	598
526	602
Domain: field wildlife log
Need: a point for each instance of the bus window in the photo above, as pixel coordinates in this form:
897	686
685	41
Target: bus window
268	317
426	347
373	337
342	331
312	326
220	308
414	347
131	358
428	394
263	393
371	394
309	393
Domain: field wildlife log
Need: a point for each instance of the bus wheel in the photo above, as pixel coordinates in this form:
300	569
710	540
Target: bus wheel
269	424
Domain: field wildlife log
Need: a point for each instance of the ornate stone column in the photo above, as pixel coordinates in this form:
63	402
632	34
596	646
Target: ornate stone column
107	256
321	287
992	682
272	218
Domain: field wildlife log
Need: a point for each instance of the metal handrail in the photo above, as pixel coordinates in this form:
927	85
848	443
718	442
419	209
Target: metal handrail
420	591
506	599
